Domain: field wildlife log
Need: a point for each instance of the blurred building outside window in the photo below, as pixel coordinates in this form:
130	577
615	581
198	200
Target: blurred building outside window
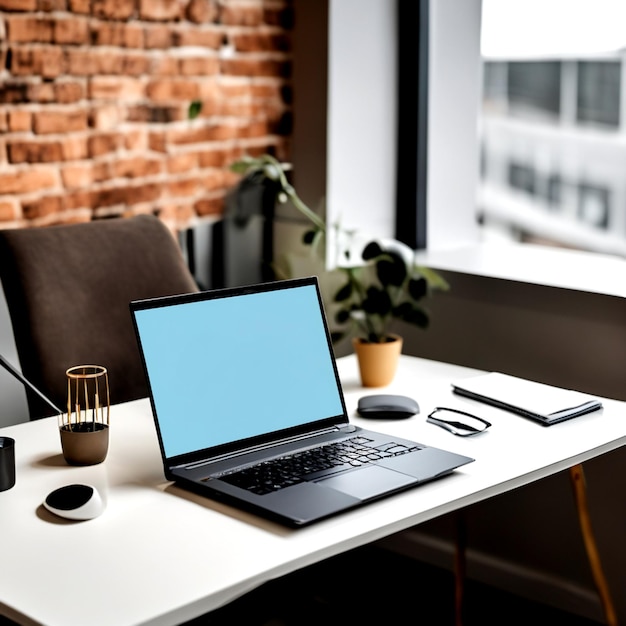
553	123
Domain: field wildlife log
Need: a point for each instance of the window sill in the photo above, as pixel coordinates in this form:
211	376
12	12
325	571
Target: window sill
534	264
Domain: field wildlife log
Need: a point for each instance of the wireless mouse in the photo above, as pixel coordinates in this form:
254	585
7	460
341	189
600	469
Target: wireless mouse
387	406
75	502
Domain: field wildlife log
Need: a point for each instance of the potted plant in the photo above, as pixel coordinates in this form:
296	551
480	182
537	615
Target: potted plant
381	282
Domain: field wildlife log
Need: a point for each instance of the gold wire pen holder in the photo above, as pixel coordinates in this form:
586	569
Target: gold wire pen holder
84	428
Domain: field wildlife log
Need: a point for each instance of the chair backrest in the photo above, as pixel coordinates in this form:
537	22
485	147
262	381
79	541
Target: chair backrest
68	289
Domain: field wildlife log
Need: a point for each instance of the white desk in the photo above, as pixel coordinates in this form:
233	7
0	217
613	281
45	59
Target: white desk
160	555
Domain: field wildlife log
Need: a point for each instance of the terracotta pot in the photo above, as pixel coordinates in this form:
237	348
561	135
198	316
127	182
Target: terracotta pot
378	362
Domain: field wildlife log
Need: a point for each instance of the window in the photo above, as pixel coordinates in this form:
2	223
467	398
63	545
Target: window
535	86
598	97
553	146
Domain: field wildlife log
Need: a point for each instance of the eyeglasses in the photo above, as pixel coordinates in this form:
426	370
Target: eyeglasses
464	426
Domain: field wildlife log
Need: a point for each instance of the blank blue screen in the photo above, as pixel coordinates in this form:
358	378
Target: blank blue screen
230	368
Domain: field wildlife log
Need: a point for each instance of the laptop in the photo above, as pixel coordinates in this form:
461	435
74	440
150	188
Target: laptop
249	409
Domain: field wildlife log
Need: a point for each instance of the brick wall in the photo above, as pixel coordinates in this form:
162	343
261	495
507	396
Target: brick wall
94	97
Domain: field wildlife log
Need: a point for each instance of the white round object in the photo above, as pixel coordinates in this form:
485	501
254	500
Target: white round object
75	502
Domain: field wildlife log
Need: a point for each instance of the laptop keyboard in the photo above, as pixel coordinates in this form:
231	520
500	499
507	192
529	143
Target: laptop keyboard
309	464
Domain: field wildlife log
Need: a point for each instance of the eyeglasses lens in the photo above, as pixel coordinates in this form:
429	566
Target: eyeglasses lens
458	423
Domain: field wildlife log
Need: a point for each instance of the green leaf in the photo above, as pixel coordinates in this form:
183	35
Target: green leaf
342	316
391	270
418	288
402	310
344	292
194	109
337	336
377	302
308	237
435	280
371	251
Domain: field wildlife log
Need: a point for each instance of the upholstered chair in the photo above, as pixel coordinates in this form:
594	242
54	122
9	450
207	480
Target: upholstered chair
68	289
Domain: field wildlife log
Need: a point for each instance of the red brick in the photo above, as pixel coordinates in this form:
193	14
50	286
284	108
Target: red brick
199	66
41	92
18	5
256	67
106	117
79	199
213	180
72	30
137	167
113	9
74	147
279	16
19	120
155	114
25	28
164	89
235	108
216	158
157	141
209	206
184	162
136	140
114	87
210	90
69	217
201	11
84	174
183	187
51	5
144	193
242	15
118	34
47	122
127	195
135	64
47	205
267	90
98	145
200	134
201	38
9	210
34	151
221	132
179	215
164	66
256	128
134	36
80	6
81	62
236	88
68	92
159	10
53	63
158	37
27	181
46	62
260	42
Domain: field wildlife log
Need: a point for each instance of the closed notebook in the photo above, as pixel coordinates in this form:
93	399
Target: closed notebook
538	401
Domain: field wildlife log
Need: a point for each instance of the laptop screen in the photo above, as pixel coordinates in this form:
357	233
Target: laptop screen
229	365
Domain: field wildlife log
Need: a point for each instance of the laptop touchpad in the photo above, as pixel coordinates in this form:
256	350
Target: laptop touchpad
368	482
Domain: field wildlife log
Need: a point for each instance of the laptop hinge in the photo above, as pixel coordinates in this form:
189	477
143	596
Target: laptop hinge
267	446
